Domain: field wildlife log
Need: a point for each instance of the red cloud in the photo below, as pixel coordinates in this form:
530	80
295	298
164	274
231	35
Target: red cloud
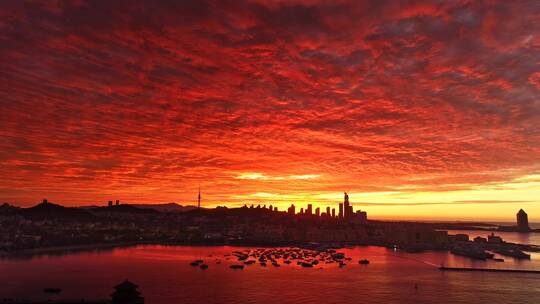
145	101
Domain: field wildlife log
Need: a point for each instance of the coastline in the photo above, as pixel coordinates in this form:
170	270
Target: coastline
60	250
70	248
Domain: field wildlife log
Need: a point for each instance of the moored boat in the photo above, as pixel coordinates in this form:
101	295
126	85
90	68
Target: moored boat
237	266
515	253
472	252
363	262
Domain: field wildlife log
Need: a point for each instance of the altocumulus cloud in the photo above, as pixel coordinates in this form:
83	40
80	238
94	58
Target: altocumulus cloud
145	100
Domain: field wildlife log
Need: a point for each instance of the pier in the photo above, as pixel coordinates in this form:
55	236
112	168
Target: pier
444	268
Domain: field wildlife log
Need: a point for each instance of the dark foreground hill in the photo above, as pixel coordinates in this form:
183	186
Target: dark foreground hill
50	210
47	210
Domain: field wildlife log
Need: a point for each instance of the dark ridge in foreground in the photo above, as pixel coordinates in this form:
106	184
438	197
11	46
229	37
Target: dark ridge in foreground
53	211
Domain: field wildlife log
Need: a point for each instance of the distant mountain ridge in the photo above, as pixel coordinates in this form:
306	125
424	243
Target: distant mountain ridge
123	208
6	208
51	210
47	210
164	207
167	207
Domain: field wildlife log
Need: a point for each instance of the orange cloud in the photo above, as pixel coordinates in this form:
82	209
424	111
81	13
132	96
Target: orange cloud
145	101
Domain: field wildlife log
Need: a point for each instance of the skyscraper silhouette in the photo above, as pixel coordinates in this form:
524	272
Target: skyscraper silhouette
346	205
309	209
292	209
522	221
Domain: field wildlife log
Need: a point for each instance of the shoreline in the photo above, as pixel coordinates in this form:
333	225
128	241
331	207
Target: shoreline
31	252
67	249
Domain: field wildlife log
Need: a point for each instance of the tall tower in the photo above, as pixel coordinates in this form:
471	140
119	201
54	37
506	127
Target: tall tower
522	221
309	209
199	199
346	205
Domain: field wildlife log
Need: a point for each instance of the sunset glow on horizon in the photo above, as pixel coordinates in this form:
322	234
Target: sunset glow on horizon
425	110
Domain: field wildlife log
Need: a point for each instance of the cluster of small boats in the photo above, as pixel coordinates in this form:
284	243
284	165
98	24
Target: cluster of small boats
363	262
306	258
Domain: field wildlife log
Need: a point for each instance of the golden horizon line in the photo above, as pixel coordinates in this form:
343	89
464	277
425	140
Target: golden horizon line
299	202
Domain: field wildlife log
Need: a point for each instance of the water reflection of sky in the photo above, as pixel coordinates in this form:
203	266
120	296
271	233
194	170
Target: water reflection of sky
165	276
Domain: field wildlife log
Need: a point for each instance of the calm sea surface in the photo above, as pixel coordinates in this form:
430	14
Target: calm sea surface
165	276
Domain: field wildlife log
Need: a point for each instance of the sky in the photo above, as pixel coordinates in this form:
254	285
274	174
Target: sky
418	109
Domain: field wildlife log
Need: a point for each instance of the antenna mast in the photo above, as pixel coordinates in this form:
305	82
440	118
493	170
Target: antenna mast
199	198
